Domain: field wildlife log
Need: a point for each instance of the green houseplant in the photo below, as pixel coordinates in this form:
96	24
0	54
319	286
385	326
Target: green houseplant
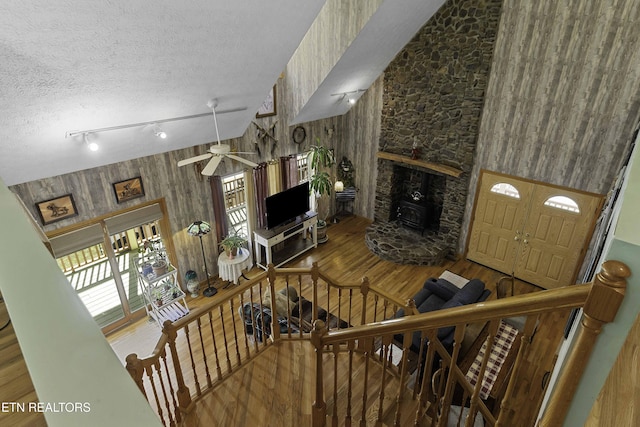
321	160
231	243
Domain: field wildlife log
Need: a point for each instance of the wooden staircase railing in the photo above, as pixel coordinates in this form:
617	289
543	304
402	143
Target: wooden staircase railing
438	379
201	349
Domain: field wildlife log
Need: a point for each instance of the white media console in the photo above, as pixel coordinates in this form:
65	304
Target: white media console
282	244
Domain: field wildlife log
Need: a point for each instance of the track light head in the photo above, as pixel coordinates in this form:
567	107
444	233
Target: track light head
93	146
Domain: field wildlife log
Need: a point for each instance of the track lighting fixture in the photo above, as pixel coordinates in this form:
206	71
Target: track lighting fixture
159	133
93	146
350	97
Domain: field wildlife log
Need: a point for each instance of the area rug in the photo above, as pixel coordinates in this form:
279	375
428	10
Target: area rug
502	343
454	279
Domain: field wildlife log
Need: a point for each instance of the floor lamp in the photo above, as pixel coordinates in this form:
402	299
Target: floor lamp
199	229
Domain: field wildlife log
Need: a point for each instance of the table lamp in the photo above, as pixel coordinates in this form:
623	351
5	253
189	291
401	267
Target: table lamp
199	229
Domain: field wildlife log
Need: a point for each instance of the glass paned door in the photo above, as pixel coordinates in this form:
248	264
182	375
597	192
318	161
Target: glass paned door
128	246
105	278
89	273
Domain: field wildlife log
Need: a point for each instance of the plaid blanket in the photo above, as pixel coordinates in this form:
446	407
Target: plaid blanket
502	343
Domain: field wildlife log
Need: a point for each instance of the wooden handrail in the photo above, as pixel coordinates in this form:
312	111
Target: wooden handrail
534	303
600	300
608	291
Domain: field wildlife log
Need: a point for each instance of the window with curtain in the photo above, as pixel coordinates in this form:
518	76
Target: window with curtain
303	167
235	203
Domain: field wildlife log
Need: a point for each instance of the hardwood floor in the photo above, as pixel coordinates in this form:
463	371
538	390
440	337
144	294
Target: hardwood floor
15	382
266	386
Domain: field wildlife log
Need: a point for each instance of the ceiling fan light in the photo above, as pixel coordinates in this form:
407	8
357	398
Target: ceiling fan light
161	134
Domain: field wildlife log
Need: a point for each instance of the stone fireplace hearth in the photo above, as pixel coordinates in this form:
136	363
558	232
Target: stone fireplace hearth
444	196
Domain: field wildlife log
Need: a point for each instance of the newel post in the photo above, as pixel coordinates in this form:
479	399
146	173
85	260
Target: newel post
319	410
364	291
135	369
601	307
275	326
182	393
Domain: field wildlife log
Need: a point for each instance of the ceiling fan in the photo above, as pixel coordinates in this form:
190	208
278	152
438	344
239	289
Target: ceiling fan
216	152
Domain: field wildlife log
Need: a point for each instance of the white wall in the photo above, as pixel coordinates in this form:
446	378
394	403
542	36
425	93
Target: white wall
67	355
623	245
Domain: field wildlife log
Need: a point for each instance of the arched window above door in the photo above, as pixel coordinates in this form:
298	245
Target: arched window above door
562	202
505	189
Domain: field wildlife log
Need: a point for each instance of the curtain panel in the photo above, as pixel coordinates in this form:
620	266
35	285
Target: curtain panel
289	171
219	211
261	188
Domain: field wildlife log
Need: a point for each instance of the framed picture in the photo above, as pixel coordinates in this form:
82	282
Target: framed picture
128	189
57	209
268	107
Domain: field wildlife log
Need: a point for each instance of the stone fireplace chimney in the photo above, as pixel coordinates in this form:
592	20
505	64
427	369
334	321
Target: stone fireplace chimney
432	103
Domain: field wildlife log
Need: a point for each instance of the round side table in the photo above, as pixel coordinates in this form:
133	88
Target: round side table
230	269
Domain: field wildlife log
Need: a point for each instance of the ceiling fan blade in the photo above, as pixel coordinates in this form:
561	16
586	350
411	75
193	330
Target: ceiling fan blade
244	152
242	160
211	166
194	159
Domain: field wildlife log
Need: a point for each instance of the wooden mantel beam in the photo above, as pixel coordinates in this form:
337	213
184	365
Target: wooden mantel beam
447	170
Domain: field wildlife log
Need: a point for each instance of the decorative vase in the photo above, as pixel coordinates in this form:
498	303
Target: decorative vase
322	231
146	269
160	267
192	283
193	286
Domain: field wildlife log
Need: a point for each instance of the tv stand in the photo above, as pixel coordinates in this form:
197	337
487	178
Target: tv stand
265	240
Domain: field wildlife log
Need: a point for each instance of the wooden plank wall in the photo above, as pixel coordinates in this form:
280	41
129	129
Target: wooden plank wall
334	29
563	98
187	194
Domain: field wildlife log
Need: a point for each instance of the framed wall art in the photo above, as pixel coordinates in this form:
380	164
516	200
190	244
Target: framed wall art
128	189
268	107
57	209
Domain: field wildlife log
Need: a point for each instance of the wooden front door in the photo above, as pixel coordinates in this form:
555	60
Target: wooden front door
556	237
538	232
499	217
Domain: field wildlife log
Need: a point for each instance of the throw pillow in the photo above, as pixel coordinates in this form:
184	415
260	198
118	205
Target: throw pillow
470	292
441	287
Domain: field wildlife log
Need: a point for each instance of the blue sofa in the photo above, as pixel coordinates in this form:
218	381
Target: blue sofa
438	294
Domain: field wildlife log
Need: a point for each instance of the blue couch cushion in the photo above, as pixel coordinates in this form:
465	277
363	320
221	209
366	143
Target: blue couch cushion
432	303
443	288
470	293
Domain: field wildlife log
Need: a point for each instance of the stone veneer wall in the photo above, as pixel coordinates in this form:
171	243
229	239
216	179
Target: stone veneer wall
433	97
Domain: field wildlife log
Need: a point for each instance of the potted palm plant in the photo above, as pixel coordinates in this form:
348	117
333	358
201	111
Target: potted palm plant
321	160
231	244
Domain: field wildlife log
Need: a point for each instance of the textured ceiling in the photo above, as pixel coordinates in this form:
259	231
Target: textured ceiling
74	65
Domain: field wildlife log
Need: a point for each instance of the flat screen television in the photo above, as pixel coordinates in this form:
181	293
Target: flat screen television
285	206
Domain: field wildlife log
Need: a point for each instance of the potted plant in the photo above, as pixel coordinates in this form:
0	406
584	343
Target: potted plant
231	243
157	295
321	160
